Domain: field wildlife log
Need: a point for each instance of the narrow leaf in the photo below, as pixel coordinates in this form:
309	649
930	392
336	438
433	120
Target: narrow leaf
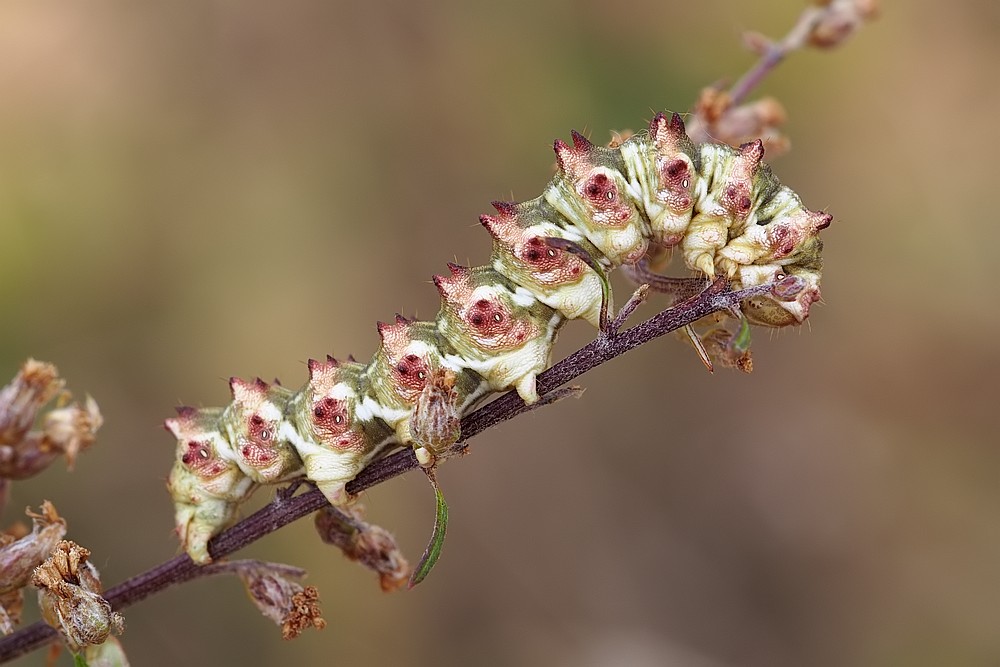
433	550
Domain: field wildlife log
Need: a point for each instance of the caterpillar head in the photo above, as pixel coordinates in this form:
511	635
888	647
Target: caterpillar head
787	252
205	483
484	310
253	424
202	450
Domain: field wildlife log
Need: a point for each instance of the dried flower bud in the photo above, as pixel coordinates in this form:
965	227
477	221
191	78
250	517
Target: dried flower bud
275	591
69	596
840	20
437	417
717	119
34	385
372	546
72	429
19	558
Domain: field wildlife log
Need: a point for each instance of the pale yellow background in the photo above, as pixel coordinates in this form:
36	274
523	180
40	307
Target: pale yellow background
197	189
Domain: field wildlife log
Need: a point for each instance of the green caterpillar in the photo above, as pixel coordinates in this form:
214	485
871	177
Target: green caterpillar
720	207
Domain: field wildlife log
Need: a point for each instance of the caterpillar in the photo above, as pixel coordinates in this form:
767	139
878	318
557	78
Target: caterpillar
721	208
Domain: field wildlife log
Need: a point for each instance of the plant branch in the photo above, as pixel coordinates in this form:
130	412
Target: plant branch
282	511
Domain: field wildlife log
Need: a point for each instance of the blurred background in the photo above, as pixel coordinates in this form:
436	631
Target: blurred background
192	190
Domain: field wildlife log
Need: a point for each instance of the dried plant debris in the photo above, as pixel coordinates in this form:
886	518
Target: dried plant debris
371	545
19	556
67	429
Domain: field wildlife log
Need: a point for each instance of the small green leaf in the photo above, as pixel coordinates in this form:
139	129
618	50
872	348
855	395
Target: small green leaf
433	550
742	341
79	660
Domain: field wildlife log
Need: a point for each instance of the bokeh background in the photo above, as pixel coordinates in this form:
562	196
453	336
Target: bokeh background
196	189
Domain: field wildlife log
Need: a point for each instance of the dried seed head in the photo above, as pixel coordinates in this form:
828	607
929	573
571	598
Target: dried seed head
305	612
371	545
69	596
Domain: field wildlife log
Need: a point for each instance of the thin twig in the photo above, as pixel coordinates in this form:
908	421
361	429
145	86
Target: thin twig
283	511
796	38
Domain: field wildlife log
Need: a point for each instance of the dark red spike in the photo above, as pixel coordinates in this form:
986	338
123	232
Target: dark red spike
350	358
824	221
677	125
580	142
658	121
563	152
753	151
401	320
507	208
381	326
457	269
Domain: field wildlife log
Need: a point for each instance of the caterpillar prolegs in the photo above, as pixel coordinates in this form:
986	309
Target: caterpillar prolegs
720	207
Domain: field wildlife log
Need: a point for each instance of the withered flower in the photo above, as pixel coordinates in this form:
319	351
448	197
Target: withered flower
69	588
371	545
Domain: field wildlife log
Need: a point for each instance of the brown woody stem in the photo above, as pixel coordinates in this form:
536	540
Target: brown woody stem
282	511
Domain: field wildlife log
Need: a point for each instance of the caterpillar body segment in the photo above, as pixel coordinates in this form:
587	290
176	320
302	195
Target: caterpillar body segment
205	483
332	429
722	209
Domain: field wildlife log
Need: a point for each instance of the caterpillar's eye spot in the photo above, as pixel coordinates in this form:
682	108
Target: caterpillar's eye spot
497	317
203	453
551	252
338	419
265	435
686	183
610	195
779	276
421	375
